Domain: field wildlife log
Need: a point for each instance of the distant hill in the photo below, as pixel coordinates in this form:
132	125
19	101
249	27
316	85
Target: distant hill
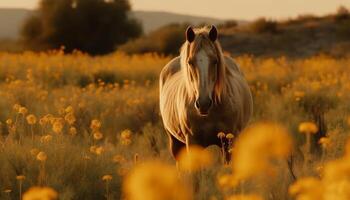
12	19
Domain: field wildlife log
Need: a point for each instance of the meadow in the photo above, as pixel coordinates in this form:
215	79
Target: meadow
89	128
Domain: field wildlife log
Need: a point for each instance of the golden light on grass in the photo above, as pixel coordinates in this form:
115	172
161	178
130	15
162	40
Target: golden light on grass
155	181
194	159
40	193
256	147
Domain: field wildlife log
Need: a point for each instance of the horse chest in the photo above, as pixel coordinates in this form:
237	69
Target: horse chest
205	129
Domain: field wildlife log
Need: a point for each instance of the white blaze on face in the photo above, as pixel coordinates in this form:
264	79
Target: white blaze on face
203	67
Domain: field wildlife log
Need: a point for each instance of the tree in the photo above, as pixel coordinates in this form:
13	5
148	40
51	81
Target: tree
92	26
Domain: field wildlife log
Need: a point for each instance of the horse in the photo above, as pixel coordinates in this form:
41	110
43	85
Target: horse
203	92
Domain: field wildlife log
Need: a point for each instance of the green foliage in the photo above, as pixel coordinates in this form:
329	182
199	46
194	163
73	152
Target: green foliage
166	40
92	26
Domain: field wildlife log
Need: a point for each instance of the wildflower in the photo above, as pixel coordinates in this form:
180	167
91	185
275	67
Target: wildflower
257	146
46	139
308	128
325	142
107	177
126	134
126	142
40	193
20	177
307	188
31	119
9	122
41	156
195	159
22	110
95	124
142	183
221	135
230	136
34	151
16	107
99	150
70	118
118	159
69	109
72	131
245	197
98	135
57	127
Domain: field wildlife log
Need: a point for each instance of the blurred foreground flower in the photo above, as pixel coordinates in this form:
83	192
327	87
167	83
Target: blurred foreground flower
155	181
195	159
257	148
40	193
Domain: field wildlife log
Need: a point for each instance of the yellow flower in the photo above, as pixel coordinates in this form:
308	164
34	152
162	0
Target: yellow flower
195	159
72	131
325	142
98	135
9	122
41	156
22	110
96	150
20	177
46	139
118	159
95	124
69	109
143	183
245	197
308	128
256	149
221	135
307	188
57	127
230	136
107	177
40	193
31	119
34	151
16	107
70	118
126	134
126	142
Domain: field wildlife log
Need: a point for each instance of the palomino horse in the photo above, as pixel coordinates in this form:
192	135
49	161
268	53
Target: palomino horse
202	93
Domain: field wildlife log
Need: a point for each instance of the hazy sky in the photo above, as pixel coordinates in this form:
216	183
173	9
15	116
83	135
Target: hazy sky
239	9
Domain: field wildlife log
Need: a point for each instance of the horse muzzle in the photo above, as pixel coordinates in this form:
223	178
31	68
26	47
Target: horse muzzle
203	106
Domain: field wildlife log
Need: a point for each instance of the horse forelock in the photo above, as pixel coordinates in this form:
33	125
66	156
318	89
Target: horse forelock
213	49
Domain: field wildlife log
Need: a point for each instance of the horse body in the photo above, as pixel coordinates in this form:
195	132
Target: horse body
181	119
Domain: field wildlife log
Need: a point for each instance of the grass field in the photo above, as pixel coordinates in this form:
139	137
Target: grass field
80	125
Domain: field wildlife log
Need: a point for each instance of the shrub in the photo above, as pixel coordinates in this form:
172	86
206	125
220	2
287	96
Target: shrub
263	25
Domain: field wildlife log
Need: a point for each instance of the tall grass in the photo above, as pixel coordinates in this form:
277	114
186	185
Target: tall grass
95	115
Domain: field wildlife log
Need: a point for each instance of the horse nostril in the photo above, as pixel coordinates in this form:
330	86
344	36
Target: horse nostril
196	104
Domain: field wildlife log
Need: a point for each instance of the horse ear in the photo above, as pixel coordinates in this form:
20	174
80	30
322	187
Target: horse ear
213	33
190	35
